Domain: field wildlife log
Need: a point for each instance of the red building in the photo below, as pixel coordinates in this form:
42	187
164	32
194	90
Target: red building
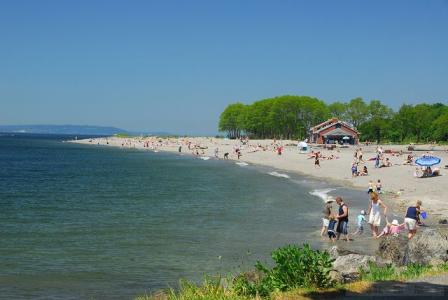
334	131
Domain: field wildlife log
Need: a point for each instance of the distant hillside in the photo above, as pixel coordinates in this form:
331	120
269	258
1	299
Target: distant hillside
62	129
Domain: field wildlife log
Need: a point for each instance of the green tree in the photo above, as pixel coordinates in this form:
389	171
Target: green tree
338	110
232	120
379	117
357	112
440	127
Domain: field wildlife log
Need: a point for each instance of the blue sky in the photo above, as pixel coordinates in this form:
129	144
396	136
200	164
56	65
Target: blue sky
175	65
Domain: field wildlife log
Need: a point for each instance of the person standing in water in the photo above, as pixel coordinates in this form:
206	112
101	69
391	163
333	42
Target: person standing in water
342	219
375	214
412	218
326	216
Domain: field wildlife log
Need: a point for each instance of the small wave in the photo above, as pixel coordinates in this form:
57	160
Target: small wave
204	157
276	174
323	194
242	164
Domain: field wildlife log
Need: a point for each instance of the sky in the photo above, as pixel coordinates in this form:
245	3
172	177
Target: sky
175	65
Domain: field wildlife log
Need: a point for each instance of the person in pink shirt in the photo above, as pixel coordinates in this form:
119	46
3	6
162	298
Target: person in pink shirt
393	228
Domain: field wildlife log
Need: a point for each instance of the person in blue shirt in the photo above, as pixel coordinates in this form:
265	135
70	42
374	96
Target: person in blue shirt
412	218
361	219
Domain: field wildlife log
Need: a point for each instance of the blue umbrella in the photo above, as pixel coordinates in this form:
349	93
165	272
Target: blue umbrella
427	161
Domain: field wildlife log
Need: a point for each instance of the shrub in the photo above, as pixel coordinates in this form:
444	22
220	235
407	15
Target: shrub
294	267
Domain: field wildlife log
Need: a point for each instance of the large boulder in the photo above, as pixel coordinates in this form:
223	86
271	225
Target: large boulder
393	248
427	247
347	267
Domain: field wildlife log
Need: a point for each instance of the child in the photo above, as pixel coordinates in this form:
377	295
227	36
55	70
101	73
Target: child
378	186
331	228
370	190
393	228
354	170
361	220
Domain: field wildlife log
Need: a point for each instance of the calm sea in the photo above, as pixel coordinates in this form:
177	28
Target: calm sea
93	222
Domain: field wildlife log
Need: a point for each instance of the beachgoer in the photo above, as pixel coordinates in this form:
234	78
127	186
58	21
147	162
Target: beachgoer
361	219
412	218
180	148
360	155
226	155
393	228
279	150
354	170
370	189
374	213
378	186
331	224
377	160
364	172
342	219
326	216
316	160
216	152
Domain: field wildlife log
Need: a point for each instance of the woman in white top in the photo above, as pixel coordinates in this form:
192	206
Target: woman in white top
374	213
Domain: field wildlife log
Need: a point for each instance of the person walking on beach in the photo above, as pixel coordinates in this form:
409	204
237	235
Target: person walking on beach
316	160
342	219
326	216
216	152
360	159
374	213
378	186
412	218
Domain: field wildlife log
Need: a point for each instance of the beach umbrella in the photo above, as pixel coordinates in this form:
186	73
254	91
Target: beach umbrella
427	161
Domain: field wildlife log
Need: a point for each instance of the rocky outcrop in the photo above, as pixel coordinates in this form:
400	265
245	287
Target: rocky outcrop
427	247
347	264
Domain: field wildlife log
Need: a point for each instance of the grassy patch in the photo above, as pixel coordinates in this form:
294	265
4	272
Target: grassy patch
282	281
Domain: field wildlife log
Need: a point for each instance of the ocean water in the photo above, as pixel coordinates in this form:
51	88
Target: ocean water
92	222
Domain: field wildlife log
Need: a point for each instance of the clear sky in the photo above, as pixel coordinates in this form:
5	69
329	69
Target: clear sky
175	65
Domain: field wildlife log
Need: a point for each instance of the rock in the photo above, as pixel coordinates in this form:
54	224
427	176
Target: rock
348	266
428	246
335	252
443	221
393	248
336	276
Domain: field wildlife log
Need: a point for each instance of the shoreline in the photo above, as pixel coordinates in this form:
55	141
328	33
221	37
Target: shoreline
400	188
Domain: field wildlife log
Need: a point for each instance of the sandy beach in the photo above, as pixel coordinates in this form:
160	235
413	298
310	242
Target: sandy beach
399	184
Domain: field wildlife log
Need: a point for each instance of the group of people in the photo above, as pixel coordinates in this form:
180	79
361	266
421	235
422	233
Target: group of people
336	224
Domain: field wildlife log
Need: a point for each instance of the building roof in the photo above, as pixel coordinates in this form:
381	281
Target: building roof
330	122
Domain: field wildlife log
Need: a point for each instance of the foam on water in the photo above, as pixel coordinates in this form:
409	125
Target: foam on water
204	157
322	194
276	174
242	164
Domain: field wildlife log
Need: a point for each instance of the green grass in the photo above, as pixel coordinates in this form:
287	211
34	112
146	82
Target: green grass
210	289
229	289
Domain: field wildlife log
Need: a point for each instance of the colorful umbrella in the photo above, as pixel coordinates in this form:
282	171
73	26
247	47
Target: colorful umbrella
427	161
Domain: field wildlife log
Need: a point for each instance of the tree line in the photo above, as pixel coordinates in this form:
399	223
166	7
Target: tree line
291	117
